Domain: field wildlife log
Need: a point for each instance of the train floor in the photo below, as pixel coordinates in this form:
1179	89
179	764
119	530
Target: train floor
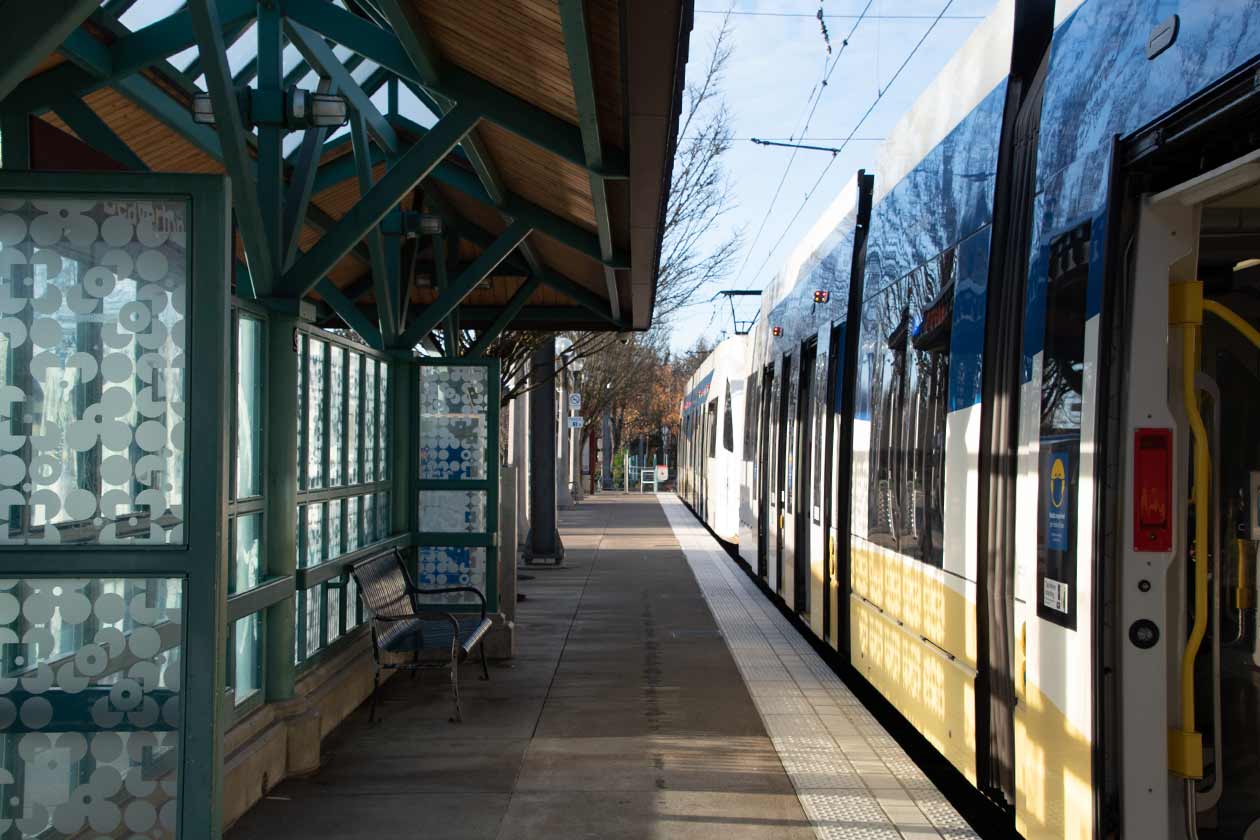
656	694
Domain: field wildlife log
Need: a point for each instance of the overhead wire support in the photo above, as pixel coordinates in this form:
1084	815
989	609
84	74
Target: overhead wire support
878	98
834	150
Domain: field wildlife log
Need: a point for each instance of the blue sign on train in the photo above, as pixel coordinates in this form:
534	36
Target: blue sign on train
1059	506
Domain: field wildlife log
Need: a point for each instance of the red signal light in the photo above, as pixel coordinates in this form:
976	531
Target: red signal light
822	296
776	331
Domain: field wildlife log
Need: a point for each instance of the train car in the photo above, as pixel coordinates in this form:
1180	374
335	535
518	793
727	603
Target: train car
712	428
1001	443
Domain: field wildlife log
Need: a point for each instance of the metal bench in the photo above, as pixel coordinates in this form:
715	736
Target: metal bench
402	624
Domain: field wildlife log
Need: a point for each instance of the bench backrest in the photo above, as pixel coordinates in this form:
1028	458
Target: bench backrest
383	584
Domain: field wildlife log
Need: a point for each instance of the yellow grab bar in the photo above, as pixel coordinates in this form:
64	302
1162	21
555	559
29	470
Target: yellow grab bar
1186	304
1232	318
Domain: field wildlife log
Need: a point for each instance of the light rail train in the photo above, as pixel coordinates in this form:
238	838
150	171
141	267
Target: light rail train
994	436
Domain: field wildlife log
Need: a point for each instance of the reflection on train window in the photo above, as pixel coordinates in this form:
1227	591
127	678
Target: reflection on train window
751	406
1062	376
728	421
712	427
819	417
909	327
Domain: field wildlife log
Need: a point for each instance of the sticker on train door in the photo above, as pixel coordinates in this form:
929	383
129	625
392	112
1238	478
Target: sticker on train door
1056	531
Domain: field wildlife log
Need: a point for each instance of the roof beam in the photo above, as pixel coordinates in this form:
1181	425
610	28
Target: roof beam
510	311
130	53
31	36
385	285
480	269
94	131
232	133
577	45
349	313
302	183
320	56
458	178
410	169
415	59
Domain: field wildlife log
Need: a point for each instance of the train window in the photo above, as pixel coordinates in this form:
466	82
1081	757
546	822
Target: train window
1062	375
819	415
728	421
908	350
752	402
712	430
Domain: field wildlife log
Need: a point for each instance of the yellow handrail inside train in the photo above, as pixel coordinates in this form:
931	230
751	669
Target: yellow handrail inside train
1232	318
1186	310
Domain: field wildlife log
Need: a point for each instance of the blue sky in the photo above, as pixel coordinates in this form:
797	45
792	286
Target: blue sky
777	64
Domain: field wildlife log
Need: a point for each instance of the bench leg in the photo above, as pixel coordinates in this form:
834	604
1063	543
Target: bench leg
459	718
376	687
485	669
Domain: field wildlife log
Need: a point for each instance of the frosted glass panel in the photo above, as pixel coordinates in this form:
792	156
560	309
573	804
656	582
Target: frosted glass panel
316	413
442	566
92	371
453	422
447	511
90	707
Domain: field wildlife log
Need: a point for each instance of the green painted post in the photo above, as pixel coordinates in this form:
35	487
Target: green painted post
270	132
281	497
404	414
15	139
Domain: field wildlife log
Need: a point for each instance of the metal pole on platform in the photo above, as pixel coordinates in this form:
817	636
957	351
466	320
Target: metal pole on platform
543	541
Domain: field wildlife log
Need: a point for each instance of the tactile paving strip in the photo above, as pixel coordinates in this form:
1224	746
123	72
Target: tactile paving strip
853	780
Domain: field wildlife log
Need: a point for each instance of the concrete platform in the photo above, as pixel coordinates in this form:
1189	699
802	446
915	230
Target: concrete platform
627	714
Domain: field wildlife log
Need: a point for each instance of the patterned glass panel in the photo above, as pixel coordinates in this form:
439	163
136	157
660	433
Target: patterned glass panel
335	545
92	388
100	655
369	520
337	406
247	639
382	514
314	534
312	597
453	422
382	386
370	411
316	413
247	561
332	597
450	566
249	407
352	523
453	511
353	404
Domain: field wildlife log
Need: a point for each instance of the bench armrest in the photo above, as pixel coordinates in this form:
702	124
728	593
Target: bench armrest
416	590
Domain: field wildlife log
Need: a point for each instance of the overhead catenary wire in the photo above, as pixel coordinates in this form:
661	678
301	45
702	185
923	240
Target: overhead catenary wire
792	159
738	13
878	97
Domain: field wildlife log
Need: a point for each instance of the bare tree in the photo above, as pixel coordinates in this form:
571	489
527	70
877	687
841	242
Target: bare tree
700	191
700	195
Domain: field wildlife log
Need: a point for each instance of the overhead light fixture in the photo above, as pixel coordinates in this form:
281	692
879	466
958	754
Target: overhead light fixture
301	109
203	109
1245	264
430	224
317	110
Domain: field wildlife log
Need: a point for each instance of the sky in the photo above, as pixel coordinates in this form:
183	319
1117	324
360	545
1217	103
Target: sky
779	59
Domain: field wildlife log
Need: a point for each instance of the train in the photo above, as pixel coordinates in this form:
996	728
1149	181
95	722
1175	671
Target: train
993	436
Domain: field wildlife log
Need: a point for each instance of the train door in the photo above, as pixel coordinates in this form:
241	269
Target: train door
762	469
830	422
781	478
801	572
709	462
1187	570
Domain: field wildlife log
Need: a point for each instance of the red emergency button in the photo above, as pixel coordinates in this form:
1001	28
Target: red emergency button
1152	490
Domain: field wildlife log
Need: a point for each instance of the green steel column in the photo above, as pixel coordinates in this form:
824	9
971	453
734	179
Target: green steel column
404	415
15	139
281	497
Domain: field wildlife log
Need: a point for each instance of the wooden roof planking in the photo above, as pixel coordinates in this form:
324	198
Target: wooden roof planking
637	55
